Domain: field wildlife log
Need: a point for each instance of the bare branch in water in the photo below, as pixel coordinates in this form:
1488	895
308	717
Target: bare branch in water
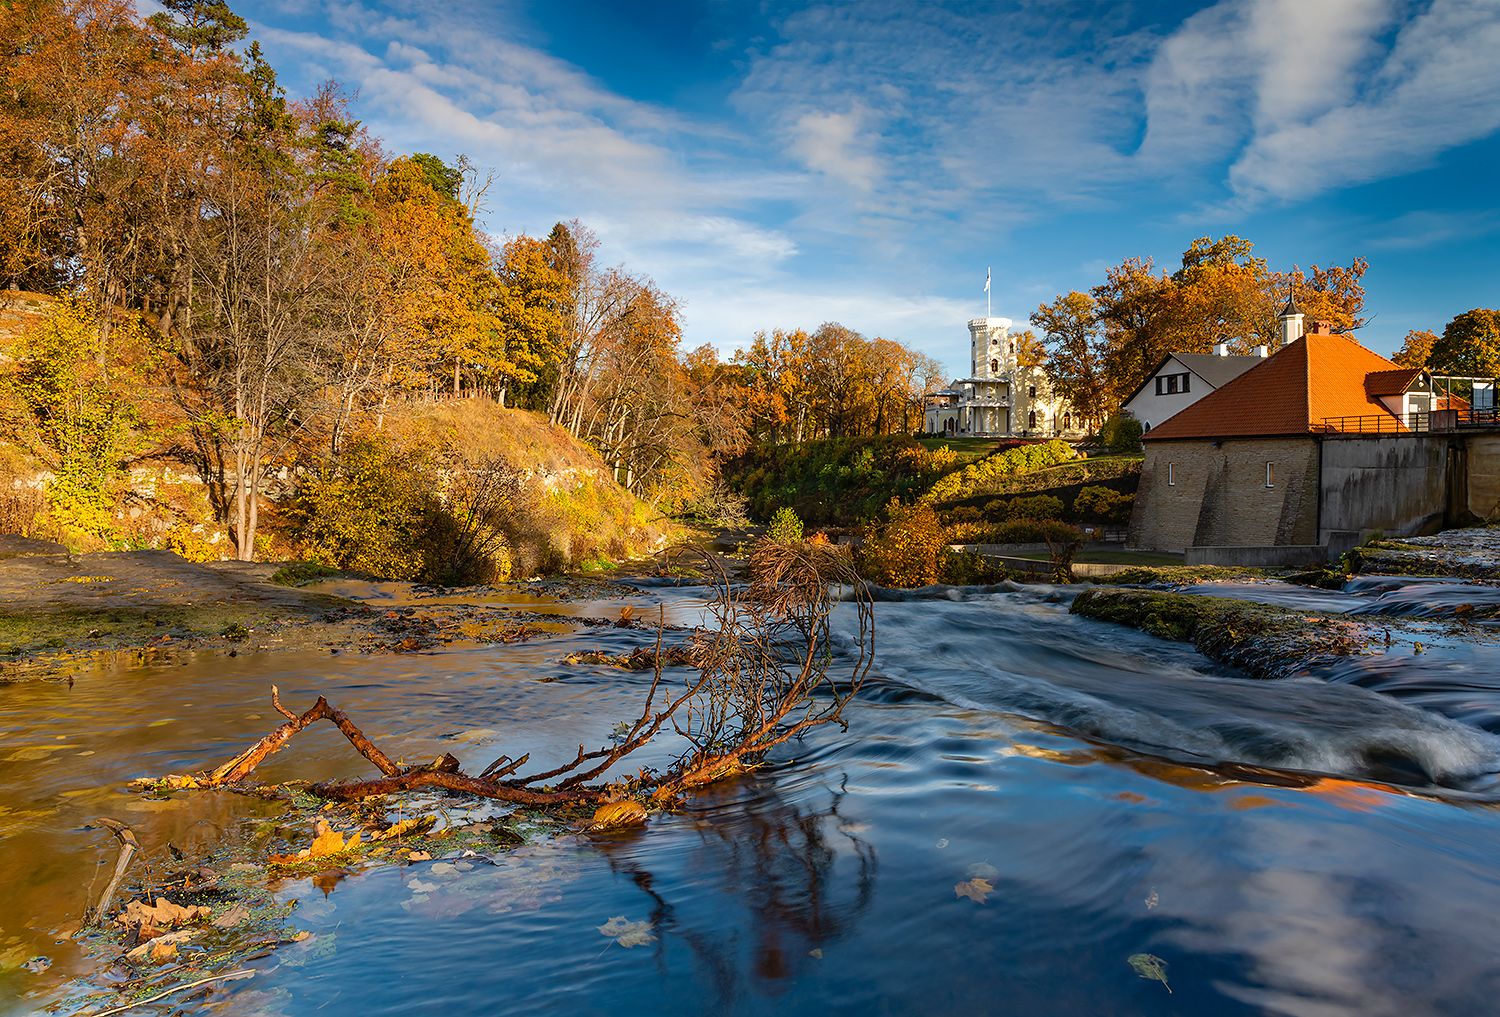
763	677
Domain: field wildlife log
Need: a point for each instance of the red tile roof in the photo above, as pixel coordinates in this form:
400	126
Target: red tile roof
1292	392
1379	383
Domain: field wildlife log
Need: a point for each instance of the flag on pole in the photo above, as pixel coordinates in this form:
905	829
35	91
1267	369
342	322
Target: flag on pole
986	280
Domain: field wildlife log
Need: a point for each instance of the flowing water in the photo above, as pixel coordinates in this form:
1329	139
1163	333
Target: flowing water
1327	844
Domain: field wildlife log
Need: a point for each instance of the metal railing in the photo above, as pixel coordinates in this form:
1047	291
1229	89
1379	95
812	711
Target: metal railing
1423	422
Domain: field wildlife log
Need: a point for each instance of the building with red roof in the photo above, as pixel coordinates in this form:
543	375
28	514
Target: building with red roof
1299	446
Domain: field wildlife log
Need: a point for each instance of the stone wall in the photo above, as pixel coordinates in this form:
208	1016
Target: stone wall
1196	493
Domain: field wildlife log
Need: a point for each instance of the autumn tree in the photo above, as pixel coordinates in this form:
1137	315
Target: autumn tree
1075	346
1469	345
1416	348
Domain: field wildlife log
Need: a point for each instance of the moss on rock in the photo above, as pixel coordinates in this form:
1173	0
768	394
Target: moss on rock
1259	639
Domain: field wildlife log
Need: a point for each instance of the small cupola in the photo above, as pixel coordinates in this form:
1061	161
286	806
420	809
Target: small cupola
1290	319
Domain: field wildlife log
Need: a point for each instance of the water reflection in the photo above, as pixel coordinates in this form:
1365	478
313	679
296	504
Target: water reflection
801	875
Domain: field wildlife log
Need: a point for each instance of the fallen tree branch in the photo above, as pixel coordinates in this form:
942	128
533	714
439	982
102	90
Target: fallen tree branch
227	976
241	766
763	678
128	847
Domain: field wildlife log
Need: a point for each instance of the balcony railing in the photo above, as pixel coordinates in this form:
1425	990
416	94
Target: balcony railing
1424	422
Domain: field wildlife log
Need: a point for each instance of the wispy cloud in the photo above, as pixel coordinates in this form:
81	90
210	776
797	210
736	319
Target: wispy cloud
869	155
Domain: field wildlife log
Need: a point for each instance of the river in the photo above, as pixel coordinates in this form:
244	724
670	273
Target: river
1024	800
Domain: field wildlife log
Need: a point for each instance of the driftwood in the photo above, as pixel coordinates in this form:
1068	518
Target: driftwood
228	976
128	847
762	679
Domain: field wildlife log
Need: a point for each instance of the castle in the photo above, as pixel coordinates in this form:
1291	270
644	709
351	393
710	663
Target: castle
1001	398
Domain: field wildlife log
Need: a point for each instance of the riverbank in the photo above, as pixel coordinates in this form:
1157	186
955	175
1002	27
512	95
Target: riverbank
62	611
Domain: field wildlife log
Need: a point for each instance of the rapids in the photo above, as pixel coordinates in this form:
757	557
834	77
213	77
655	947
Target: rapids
1320	845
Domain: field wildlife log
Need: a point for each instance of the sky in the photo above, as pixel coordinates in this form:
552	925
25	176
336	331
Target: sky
778	165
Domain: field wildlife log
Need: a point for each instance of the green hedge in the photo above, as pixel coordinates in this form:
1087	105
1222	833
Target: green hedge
1023	459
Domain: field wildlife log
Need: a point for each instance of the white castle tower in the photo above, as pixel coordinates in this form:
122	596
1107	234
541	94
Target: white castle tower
991	350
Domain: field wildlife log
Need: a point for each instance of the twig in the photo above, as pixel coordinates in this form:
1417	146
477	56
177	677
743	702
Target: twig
128	847
226	977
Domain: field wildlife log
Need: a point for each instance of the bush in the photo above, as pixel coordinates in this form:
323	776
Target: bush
906	551
1063	541
1103	504
1121	434
371	513
785	527
1040	506
966	568
963	514
720	506
1022	459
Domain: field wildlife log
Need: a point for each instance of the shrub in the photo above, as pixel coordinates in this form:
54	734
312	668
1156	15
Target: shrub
1062	540
1040	506
967	568
963	514
720	506
1121	434
785	527
1103	504
370	514
997	509
904	552
1022	459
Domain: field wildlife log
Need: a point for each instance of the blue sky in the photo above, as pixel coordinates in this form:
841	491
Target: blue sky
779	165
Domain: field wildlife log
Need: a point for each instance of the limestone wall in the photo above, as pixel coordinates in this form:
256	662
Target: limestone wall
1193	493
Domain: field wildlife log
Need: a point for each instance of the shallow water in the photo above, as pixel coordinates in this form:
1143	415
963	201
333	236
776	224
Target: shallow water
1300	847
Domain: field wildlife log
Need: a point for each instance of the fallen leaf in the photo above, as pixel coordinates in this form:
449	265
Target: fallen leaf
815	952
162	948
407	828
977	889
38	964
1150	967
942	843
626	932
1152	899
163	915
419	856
328	841
237	915
614	814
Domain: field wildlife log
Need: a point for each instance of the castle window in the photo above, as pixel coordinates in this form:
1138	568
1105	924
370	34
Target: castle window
1270	475
1031	392
1031	420
995	366
1067	421
1171	474
994	340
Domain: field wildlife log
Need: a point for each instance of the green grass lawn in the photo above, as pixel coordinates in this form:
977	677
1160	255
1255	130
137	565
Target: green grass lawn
968	449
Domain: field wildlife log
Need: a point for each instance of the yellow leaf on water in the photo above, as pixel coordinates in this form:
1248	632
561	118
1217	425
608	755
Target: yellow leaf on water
406	828
612	814
329	841
626	932
977	889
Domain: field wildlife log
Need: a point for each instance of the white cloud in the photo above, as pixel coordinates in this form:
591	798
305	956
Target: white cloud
836	145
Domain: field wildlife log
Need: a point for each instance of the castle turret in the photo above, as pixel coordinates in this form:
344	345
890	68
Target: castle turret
990	347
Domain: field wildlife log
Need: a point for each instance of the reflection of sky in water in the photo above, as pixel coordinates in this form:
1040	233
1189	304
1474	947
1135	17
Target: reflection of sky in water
827	882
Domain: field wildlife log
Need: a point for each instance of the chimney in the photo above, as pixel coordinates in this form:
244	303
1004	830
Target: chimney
1261	351
1321	327
1221	349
